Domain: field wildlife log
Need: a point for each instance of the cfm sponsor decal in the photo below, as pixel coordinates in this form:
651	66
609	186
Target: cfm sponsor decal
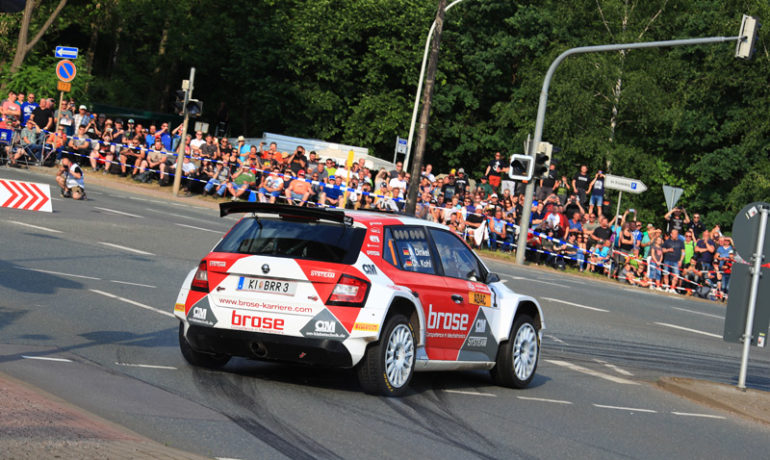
324	326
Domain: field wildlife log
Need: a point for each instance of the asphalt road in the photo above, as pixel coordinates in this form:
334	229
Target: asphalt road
90	289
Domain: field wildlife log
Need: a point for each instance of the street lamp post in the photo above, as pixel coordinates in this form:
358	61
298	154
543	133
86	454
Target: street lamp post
419	87
521	247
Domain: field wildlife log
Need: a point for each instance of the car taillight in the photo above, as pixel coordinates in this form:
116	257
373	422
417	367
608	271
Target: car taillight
200	281
349	292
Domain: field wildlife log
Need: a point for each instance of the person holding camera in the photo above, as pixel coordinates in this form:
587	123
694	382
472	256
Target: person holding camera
71	180
677	219
596	189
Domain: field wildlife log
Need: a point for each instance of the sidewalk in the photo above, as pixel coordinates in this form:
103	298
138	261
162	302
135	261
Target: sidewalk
750	404
35	424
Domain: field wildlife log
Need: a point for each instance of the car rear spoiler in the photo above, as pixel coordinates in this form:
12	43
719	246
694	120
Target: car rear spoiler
284	210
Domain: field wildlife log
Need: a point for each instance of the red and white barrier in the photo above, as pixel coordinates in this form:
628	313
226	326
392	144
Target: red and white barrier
25	195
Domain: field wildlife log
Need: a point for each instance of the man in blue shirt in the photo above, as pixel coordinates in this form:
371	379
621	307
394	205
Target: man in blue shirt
27	107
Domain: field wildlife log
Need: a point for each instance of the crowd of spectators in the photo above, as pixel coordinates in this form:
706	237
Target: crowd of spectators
568	218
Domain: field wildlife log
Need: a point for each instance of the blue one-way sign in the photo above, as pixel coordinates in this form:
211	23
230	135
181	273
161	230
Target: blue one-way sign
66	52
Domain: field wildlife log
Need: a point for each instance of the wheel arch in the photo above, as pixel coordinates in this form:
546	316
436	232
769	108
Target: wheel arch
532	309
406	307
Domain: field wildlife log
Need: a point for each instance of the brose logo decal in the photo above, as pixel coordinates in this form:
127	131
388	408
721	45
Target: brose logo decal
447	321
256	322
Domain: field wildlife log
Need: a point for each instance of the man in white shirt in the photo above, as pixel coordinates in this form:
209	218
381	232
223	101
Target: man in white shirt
71	180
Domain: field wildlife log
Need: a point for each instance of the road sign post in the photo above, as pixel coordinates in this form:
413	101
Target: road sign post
750	228
180	153
623	184
672	195
65	72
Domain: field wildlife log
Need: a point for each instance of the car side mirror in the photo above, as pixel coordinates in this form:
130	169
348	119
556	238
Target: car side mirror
492	278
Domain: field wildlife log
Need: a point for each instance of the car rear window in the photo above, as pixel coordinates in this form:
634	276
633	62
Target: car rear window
312	240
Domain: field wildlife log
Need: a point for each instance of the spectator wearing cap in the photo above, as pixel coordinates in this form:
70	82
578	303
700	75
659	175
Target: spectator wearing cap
484	188
218	182
82	118
98	126
461	183
130	130
298	191
241	181
333	193
723	251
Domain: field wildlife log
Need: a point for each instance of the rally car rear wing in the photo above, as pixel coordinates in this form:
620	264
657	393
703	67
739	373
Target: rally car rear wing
285	211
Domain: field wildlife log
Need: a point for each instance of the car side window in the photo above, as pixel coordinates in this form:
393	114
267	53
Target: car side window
456	258
407	248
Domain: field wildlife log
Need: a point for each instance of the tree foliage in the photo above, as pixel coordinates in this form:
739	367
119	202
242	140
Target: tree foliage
346	71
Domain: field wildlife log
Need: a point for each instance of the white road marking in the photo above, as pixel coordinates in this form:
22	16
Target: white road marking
45	229
117	246
471	393
688	414
556	339
51	272
134	284
44	358
555	401
630	409
147	366
614	367
174	214
682	328
226	458
591	372
538	281
119	212
699	313
132	302
576	304
200	228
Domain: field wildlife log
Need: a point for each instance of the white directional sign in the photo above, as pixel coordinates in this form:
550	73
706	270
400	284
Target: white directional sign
624	184
400	145
66	52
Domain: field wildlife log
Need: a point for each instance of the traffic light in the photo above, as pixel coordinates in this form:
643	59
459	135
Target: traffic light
179	102
521	167
194	108
749	30
542	159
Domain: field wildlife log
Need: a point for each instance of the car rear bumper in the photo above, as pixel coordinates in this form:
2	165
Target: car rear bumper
256	345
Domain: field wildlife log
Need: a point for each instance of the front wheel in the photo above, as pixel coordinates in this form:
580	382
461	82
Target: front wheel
518	356
197	358
388	365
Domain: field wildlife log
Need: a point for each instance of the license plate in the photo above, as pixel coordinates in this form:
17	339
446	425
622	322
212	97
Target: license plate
480	298
263	285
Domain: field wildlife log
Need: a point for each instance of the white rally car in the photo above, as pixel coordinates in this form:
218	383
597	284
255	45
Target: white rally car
384	293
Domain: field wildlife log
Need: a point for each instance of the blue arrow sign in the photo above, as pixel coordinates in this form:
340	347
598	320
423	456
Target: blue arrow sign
66	52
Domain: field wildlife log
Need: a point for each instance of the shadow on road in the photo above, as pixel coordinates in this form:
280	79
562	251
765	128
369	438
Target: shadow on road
15	277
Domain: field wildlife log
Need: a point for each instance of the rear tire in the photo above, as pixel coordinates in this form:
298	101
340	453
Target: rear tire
517	357
197	358
388	365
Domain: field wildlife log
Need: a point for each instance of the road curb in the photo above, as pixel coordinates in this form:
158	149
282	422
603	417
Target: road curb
751	404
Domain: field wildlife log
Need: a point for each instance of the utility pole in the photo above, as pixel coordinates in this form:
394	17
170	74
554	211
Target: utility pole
188	89
422	133
521	247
